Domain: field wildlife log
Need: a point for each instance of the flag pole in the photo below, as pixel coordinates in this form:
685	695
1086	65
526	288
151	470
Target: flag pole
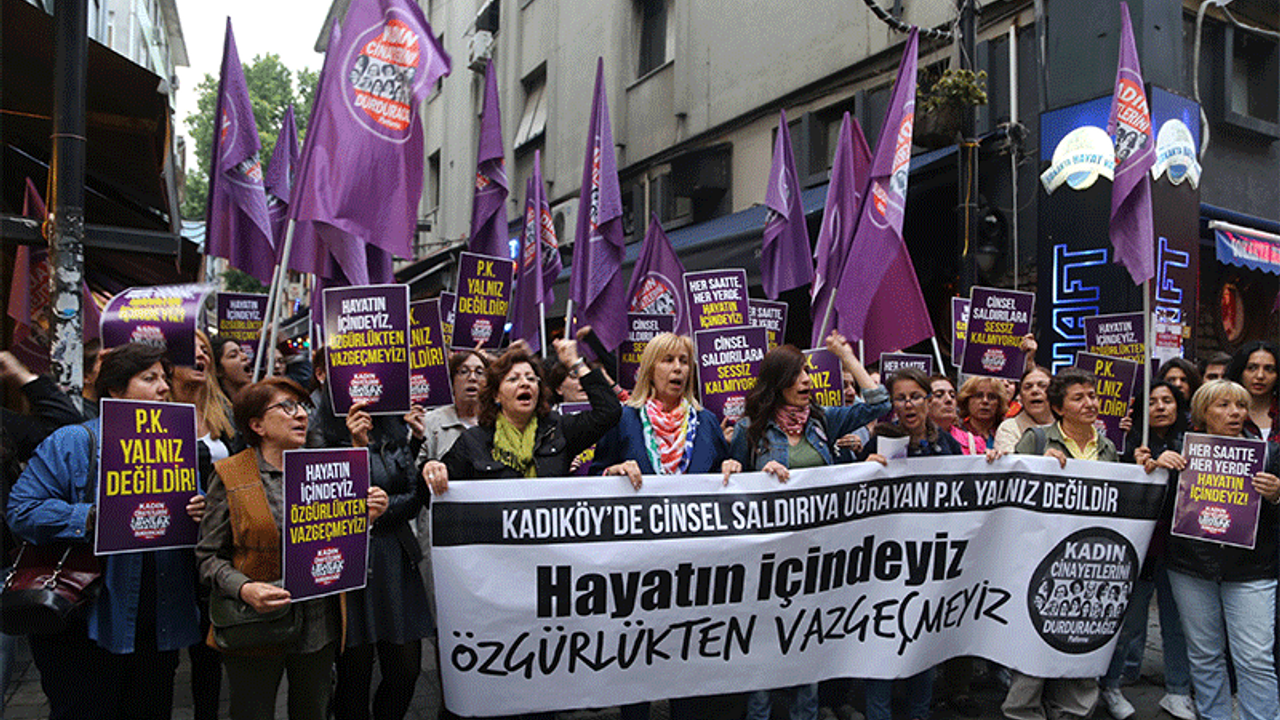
826	316
264	331
937	353
267	343
1146	362
568	318
542	324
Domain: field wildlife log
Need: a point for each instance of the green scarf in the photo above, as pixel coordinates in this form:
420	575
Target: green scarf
514	448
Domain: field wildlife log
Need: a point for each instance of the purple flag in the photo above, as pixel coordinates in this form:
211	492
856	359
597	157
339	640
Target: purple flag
551	265
595	284
784	259
236	220
878	270
1130	128
488	206
279	176
526	321
839	219
655	286
361	176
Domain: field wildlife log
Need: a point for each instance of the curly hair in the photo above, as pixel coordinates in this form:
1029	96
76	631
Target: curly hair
496	371
1235	371
1189	370
778	371
972	386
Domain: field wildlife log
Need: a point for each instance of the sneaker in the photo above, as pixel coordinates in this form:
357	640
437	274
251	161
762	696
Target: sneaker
1117	705
1179	706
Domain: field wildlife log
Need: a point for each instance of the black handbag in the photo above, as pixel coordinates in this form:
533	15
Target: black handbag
237	626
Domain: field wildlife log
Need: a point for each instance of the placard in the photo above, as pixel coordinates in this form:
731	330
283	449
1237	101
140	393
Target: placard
998	319
1216	500
1116	335
448	310
1116	383
892	362
826	383
728	363
367	341
717	298
146	474
239	317
483	301
430	385
641	328
959	326
164	315
326	523
770	315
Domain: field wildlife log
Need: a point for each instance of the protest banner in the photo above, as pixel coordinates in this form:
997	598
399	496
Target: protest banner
641	328
447	313
826	383
1216	500
892	362
770	315
959	326
164	315
146	474
483	300
326	523
997	321
1116	335
717	298
1116	383
239	317
429	382
728	363
366	332
850	570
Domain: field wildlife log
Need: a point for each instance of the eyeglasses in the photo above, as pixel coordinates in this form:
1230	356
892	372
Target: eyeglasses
993	397
909	400
288	407
465	371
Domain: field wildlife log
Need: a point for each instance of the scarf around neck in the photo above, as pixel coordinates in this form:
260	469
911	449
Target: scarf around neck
791	419
513	447
668	436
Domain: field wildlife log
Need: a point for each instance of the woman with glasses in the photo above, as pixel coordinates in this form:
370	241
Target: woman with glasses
784	429
983	402
239	556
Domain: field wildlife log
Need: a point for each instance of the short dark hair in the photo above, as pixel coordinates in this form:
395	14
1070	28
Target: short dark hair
915	375
121	363
252	402
1062	382
493	376
220	342
1217	358
1188	369
456	360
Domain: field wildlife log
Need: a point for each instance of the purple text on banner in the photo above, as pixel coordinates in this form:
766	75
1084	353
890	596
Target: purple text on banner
641	328
1118	335
366	333
240	318
997	321
892	362
429	382
147	473
581	465
770	315
165	315
728	363
717	298
959	326
1216	500
326	523
448	305
1116	383
484	298
825	379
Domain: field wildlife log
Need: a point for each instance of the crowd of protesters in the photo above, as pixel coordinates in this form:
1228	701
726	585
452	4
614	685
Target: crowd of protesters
1217	604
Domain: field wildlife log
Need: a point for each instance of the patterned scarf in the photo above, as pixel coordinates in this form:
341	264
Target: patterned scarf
668	436
514	448
791	418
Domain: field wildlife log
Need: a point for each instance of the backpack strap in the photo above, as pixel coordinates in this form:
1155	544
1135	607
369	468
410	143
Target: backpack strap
1042	439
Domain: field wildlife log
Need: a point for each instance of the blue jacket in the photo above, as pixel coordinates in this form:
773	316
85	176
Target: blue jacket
51	502
824	426
625	441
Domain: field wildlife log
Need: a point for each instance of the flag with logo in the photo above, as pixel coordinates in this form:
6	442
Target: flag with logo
784	256
839	220
539	261
279	176
656	286
488	206
1132	234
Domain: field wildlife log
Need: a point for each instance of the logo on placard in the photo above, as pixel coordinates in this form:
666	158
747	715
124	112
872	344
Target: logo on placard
1078	593
326	566
365	387
148	334
1084	155
993	360
419	389
1214	520
656	296
150	520
380	77
481	330
735	406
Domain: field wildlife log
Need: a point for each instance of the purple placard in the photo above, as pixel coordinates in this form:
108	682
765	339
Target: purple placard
717	298
483	300
728	363
429	382
1118	335
366	332
146	474
326	521
240	318
641	328
826	383
448	304
1216	500
1116	383
165	315
959	326
997	321
770	315
891	362
581	465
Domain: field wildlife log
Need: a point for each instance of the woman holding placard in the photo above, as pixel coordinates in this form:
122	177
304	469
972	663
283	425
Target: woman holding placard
239	555
121	655
1226	594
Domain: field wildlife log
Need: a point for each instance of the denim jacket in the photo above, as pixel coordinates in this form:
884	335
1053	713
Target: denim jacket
51	502
824	426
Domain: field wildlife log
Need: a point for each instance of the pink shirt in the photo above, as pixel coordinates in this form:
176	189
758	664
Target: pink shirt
970	444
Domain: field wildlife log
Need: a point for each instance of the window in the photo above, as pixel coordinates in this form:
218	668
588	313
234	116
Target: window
698	187
653	35
1248	81
533	121
433	182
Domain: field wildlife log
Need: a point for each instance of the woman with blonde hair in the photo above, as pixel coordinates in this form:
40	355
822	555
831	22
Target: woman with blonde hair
983	402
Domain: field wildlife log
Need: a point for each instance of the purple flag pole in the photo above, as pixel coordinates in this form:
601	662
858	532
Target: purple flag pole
596	290
784	258
488	208
529	278
839	218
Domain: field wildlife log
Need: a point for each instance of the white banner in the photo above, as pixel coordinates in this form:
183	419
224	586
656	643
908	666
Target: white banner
556	594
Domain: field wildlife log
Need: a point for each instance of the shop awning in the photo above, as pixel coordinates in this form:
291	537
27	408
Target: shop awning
1246	247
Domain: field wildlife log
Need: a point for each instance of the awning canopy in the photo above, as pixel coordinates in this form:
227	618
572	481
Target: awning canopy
1246	247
